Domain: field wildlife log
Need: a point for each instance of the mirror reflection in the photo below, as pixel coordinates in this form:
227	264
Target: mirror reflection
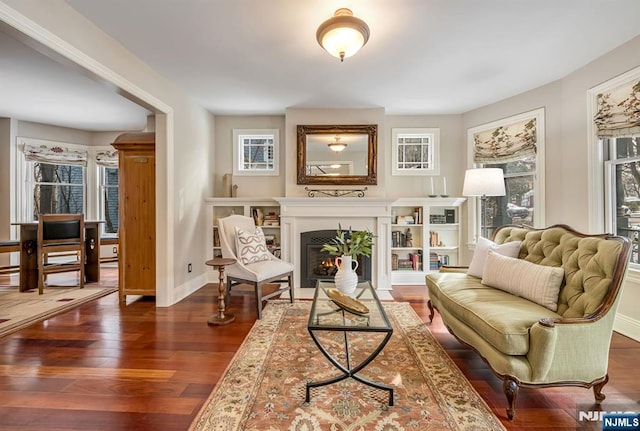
331	156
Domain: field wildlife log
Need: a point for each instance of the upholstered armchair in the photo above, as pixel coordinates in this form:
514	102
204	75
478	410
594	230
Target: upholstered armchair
255	265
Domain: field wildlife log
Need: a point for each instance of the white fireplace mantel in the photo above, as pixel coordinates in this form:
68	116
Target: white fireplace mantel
303	214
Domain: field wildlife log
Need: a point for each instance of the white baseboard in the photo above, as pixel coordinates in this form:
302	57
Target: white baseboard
188	288
627	326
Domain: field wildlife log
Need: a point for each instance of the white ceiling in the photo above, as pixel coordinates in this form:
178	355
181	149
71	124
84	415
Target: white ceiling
35	88
260	57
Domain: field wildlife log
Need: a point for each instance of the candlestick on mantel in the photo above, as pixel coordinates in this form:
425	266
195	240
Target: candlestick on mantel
433	191
444	187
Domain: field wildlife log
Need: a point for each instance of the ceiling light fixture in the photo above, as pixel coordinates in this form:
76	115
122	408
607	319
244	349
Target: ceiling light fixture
337	146
343	35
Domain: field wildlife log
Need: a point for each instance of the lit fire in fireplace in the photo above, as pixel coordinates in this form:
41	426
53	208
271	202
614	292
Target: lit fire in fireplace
326	267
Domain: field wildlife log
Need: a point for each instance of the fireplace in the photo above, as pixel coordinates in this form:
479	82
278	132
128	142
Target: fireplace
320	265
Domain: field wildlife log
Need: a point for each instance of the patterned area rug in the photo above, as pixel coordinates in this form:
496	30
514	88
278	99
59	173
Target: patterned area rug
263	388
21	309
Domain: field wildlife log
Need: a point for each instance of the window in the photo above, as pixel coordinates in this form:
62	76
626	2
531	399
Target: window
622	189
615	149
415	151
255	152
106	159
109	198
56	188
516	145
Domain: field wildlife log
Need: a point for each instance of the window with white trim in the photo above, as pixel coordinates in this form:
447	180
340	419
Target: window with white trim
255	152
516	145
415	151
55	178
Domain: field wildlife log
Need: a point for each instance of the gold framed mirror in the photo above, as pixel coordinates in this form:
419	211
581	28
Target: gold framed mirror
337	154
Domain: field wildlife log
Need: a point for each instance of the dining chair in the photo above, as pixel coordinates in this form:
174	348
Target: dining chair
61	246
255	265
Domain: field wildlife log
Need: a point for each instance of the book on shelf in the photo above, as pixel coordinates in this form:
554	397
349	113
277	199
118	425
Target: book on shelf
271	219
405	264
433	261
394	261
417	215
437	219
437	260
434	240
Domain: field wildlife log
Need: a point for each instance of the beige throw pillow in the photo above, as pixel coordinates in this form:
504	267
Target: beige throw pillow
251	247
476	267
537	283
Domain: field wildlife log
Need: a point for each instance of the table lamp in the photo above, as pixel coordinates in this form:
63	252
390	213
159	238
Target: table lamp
484	182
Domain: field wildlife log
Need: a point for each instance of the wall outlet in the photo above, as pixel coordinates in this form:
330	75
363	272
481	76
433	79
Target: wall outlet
189	268
115	250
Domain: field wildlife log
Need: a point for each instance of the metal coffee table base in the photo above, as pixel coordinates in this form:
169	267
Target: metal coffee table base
348	371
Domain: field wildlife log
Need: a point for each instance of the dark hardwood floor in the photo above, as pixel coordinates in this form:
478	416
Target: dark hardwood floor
108	367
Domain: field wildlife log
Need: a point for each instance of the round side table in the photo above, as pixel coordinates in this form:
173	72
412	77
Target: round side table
220	318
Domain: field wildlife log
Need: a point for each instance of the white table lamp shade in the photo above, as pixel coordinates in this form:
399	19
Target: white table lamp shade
483	182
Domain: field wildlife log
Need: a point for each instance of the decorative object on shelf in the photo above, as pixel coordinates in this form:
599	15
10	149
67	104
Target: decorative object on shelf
408	237
348	303
405	220
484	182
336	193
433	189
347	246
343	35
258	216
444	193
234	191
227	183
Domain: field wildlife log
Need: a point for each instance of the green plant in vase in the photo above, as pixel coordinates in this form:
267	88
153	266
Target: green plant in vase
348	246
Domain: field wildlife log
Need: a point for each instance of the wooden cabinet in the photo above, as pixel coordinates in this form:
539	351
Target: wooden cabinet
137	213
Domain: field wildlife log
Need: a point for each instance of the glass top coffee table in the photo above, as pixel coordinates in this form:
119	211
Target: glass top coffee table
327	315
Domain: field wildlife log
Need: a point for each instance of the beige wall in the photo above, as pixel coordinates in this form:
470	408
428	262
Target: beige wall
248	186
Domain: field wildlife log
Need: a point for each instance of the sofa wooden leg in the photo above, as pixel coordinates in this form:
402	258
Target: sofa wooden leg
510	387
597	389
432	311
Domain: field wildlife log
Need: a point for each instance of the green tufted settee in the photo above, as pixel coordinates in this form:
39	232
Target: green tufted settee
524	343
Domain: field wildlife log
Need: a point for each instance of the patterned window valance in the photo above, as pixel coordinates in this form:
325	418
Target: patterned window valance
107	158
55	154
619	111
505	143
